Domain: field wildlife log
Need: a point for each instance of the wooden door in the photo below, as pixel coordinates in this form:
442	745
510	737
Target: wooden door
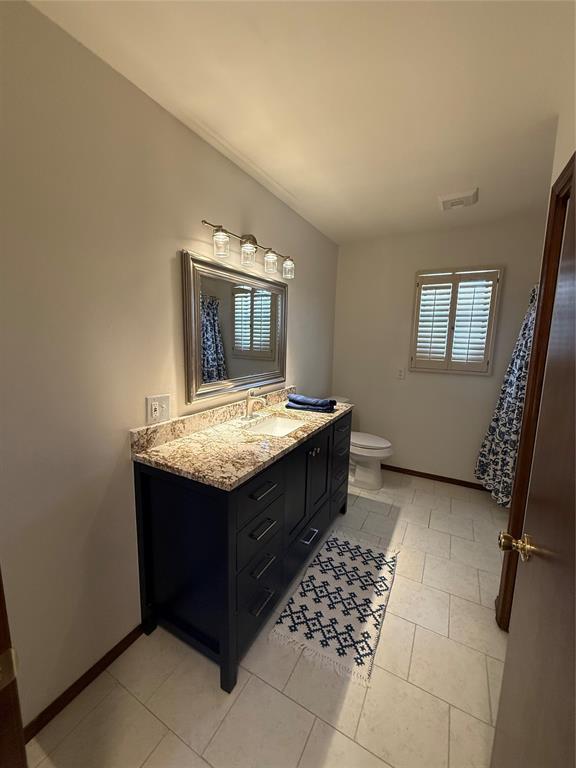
12	752
535	725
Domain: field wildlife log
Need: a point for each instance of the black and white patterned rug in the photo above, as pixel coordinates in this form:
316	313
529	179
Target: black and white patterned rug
335	614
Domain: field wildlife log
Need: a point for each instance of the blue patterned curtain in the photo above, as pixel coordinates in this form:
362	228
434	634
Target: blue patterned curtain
497	458
213	360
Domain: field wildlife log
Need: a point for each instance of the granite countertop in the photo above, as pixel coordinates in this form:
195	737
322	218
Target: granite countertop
226	455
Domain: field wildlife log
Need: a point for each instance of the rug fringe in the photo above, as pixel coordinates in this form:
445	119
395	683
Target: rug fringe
320	658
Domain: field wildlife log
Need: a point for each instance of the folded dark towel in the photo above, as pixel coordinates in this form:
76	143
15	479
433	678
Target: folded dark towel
296	407
313	402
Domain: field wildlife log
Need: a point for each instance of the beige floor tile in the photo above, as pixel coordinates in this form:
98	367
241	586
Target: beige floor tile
469	510
335	698
263	728
395	481
64	722
500	517
431	501
476	555
452	490
380	506
328	748
449	523
395	645
427	540
410	563
475	625
451	576
486	532
391	531
470	741
412	514
424	484
352	499
144	666
173	753
355	517
420	604
270	660
119	733
404	725
495	673
451	671
489	586
191	702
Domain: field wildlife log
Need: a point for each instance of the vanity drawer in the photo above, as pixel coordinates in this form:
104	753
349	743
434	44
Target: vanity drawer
260	586
254	536
340	462
259	492
342	430
339	501
306	542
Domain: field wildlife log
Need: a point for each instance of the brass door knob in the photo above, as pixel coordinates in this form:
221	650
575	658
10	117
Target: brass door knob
523	546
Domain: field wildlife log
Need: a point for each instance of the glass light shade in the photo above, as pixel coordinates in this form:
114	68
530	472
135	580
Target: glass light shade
288	269
221	244
248	253
270	262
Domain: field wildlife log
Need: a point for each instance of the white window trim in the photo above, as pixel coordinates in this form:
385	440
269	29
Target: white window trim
455	275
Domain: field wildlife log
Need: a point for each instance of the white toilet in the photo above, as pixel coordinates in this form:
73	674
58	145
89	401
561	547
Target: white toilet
366	455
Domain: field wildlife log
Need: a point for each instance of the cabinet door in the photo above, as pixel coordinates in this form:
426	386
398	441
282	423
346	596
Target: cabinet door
295	494
318	474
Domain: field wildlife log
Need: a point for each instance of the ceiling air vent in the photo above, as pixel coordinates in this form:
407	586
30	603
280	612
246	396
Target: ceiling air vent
458	201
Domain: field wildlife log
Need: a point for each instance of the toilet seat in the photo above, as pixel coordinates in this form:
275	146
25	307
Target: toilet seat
369	442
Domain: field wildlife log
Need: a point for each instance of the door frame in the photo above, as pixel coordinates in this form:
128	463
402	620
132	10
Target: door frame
562	190
12	749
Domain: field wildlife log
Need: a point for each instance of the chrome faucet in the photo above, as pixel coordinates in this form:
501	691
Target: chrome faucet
250	400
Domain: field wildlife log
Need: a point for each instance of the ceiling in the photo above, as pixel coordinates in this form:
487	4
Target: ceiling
357	115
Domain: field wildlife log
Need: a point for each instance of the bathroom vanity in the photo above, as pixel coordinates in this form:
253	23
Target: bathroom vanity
228	515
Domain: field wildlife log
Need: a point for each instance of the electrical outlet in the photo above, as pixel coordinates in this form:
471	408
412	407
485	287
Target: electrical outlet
157	408
401	374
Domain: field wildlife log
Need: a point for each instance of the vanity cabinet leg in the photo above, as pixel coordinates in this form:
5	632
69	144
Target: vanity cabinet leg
228	675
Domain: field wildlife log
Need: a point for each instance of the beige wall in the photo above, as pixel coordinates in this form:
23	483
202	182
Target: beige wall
435	421
101	188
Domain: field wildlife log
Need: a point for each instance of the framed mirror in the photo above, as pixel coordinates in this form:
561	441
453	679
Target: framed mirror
234	329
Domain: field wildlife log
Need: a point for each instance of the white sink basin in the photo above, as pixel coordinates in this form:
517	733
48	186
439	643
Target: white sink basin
275	426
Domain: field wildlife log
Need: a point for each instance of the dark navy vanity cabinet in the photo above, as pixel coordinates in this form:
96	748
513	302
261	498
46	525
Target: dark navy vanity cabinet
213	563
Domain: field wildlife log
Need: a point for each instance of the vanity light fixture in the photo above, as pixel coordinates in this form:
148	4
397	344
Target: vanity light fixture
270	261
249	247
221	240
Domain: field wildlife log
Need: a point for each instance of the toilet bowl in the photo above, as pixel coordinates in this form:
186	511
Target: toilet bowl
366	455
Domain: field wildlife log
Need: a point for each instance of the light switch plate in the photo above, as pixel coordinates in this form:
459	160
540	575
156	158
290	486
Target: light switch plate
157	408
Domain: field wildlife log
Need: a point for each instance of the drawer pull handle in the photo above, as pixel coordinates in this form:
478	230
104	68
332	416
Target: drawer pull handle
260	570
257	610
343	452
267	525
342	429
309	541
260	494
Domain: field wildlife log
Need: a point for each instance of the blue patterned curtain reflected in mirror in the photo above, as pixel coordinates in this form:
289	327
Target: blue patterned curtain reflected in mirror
213	358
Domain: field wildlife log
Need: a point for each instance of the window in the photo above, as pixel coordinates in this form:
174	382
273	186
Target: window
454	320
254	322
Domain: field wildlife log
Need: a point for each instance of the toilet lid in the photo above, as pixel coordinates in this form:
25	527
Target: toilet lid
364	440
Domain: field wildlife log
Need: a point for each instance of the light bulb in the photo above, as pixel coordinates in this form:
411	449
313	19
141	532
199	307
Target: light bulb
221	243
270	261
248	248
288	269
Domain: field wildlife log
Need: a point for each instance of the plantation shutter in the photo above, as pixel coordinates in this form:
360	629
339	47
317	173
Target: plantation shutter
242	315
454	320
262	321
472	322
433	324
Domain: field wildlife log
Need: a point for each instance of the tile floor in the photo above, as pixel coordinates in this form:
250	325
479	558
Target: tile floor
433	696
